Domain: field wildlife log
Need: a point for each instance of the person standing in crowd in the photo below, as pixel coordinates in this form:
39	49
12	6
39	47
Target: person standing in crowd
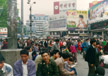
85	47
91	58
75	42
5	69
68	44
79	46
64	43
74	52
61	44
34	55
47	67
29	49
60	63
55	54
28	42
46	43
24	66
56	46
38	60
104	43
19	45
106	49
35	48
98	54
5	44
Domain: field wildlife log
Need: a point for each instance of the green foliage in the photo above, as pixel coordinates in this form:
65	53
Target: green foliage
3	13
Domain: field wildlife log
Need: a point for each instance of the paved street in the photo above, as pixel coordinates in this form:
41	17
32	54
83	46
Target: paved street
82	67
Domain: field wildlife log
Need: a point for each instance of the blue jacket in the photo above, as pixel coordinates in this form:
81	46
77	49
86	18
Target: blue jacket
85	46
18	70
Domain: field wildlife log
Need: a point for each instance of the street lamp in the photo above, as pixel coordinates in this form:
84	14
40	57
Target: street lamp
30	17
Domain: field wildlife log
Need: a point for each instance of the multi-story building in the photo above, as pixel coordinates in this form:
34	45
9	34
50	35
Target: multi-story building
57	26
39	25
77	24
98	19
79	33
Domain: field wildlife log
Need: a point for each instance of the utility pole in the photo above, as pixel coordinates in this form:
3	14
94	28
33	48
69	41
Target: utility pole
12	23
30	22
22	20
30	17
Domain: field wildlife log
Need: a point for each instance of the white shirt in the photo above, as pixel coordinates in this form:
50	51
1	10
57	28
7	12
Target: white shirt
7	70
105	58
81	25
30	55
25	70
64	43
93	46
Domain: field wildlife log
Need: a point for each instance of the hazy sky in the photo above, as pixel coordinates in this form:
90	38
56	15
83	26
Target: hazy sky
46	6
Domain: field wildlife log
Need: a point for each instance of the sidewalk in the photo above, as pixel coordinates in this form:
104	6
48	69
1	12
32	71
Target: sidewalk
82	67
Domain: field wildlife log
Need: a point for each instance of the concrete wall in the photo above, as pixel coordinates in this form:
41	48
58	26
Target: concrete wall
11	55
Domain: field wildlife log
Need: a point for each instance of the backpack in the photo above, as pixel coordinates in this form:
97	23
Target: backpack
100	70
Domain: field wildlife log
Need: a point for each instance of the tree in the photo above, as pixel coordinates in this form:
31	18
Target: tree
3	13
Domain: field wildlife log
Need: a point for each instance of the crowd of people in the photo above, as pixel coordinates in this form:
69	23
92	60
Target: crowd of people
55	57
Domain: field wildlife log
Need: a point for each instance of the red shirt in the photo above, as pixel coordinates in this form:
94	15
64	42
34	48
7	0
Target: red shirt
61	43
79	46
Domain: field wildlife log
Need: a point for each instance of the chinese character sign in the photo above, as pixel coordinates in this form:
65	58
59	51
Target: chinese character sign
63	6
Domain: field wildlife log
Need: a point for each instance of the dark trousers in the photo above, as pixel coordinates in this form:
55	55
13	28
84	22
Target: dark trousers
74	56
91	70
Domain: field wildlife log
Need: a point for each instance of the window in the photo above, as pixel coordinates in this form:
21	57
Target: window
81	31
85	32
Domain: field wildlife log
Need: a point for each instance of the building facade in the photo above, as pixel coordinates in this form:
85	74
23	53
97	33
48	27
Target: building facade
39	25
98	19
57	26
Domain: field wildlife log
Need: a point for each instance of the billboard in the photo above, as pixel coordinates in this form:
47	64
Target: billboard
98	12
93	3
63	6
76	19
3	32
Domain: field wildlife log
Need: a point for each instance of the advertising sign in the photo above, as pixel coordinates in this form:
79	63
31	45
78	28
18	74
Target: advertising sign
98	12
76	19
93	3
3	32
63	6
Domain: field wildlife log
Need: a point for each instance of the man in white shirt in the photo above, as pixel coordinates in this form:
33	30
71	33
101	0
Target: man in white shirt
5	69
24	66
25	71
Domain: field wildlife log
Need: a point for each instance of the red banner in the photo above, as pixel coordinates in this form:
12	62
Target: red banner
56	7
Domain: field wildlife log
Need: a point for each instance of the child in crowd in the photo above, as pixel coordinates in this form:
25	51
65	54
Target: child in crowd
66	49
74	52
34	55
69	67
